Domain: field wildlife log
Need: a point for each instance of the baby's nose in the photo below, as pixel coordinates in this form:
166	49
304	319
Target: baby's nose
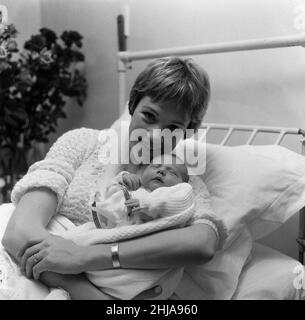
161	171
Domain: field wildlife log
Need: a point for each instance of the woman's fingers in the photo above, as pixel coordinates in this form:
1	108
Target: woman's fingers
27	245
31	262
38	268
29	253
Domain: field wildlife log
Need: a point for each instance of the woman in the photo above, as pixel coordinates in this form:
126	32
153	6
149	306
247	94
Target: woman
170	93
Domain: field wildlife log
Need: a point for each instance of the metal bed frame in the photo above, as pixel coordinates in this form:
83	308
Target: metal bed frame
125	59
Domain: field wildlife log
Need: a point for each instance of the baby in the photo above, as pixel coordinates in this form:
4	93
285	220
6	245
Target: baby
156	198
161	189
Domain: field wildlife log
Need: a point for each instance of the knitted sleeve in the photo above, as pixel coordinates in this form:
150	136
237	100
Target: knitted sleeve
166	201
204	212
57	169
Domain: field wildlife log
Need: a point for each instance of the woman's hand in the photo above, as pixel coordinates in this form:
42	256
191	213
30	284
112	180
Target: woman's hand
54	254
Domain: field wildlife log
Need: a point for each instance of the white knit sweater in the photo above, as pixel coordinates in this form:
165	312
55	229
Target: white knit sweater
72	169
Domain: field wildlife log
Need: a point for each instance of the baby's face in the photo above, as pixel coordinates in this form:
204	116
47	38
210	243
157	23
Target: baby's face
161	174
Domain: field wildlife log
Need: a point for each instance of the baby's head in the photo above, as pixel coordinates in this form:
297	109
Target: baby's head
164	171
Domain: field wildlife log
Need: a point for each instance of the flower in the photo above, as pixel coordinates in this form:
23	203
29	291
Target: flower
4	65
26	77
36	43
11	30
34	55
45	56
11	45
3	28
72	37
49	35
3	52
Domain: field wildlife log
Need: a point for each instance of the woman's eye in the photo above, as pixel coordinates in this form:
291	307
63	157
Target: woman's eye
149	116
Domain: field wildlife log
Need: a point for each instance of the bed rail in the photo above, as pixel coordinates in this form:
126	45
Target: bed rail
125	58
245	45
254	130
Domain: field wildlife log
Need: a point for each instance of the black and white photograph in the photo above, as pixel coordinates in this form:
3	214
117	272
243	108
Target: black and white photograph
152	150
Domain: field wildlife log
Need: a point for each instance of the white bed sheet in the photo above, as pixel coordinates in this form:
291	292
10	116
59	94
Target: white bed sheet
269	276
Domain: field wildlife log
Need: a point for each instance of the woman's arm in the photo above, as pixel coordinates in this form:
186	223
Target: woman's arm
191	245
29	220
195	244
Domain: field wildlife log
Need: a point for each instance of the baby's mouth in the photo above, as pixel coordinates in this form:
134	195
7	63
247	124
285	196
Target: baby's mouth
158	179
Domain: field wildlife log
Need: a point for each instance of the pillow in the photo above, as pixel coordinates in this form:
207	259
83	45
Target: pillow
260	187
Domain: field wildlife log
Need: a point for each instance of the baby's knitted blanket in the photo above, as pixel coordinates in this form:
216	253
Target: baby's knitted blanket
88	234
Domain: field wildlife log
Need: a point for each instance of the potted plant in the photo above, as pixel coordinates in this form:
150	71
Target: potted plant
34	86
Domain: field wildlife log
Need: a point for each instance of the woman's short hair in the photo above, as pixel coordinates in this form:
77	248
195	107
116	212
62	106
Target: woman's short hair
174	79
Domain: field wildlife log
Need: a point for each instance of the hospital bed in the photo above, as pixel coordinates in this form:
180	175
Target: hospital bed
268	264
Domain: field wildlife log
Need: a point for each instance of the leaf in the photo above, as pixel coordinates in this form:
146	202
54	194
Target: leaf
49	35
5	156
20	114
10	121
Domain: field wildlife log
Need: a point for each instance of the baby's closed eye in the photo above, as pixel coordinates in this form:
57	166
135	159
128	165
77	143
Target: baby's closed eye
173	172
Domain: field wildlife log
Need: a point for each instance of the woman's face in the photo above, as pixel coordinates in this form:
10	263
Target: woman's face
149	115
